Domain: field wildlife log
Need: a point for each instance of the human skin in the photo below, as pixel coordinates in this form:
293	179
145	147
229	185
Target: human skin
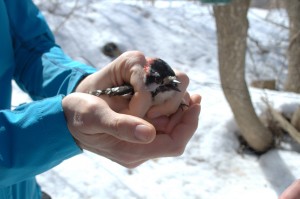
292	192
130	131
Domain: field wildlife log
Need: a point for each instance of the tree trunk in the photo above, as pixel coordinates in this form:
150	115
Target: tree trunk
293	80
232	27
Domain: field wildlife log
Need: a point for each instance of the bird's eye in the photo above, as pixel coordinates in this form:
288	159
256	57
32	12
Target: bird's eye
157	78
155	74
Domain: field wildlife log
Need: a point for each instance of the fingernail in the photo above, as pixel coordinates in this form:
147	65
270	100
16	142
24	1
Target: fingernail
143	133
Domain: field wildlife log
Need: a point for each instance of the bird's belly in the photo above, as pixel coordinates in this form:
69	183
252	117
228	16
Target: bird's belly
163	96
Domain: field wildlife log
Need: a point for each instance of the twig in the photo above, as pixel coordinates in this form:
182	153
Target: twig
67	17
271	22
293	39
284	124
258	45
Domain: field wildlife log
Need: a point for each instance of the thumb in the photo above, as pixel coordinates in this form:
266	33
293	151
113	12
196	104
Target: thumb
90	115
128	128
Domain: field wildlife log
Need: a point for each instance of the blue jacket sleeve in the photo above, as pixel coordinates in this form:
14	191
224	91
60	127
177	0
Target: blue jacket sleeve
42	68
33	138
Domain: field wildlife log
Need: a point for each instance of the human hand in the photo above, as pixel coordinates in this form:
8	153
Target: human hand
125	139
292	192
129	68
107	125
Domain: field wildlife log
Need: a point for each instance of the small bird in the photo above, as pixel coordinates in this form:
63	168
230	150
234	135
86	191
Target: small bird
159	79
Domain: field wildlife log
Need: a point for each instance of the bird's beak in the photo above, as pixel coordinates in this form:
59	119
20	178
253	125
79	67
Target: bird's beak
171	80
175	81
173	84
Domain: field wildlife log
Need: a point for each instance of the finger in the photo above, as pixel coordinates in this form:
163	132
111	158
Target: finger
292	192
114	150
160	123
96	117
186	99
189	123
170	106
166	124
164	145
171	144
116	103
177	117
196	99
129	68
133	154
139	104
126	127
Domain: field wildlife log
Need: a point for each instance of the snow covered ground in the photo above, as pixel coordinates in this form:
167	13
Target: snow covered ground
183	34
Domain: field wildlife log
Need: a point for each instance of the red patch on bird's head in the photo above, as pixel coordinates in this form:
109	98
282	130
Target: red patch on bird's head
147	67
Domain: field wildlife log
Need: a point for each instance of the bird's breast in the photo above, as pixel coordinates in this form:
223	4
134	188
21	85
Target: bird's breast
161	97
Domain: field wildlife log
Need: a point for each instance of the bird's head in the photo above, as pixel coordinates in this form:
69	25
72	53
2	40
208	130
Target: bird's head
159	77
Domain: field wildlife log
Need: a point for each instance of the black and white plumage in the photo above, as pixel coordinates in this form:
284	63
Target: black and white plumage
159	79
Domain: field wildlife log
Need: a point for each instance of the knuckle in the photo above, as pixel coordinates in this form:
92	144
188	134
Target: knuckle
134	57
91	106
115	126
137	54
84	115
132	53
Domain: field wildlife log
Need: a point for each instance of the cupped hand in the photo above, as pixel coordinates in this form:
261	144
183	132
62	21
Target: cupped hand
125	139
129	68
91	121
130	131
292	192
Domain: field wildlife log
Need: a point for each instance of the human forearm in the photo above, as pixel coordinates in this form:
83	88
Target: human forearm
33	138
44	70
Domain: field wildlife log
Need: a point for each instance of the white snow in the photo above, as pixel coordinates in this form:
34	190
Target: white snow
183	34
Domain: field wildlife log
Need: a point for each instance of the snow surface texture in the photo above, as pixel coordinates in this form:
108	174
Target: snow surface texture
183	34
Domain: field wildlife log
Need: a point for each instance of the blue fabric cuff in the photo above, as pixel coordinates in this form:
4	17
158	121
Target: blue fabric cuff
60	140
33	138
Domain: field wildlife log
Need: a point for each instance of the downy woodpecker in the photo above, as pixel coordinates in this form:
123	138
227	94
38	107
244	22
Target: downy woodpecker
159	79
